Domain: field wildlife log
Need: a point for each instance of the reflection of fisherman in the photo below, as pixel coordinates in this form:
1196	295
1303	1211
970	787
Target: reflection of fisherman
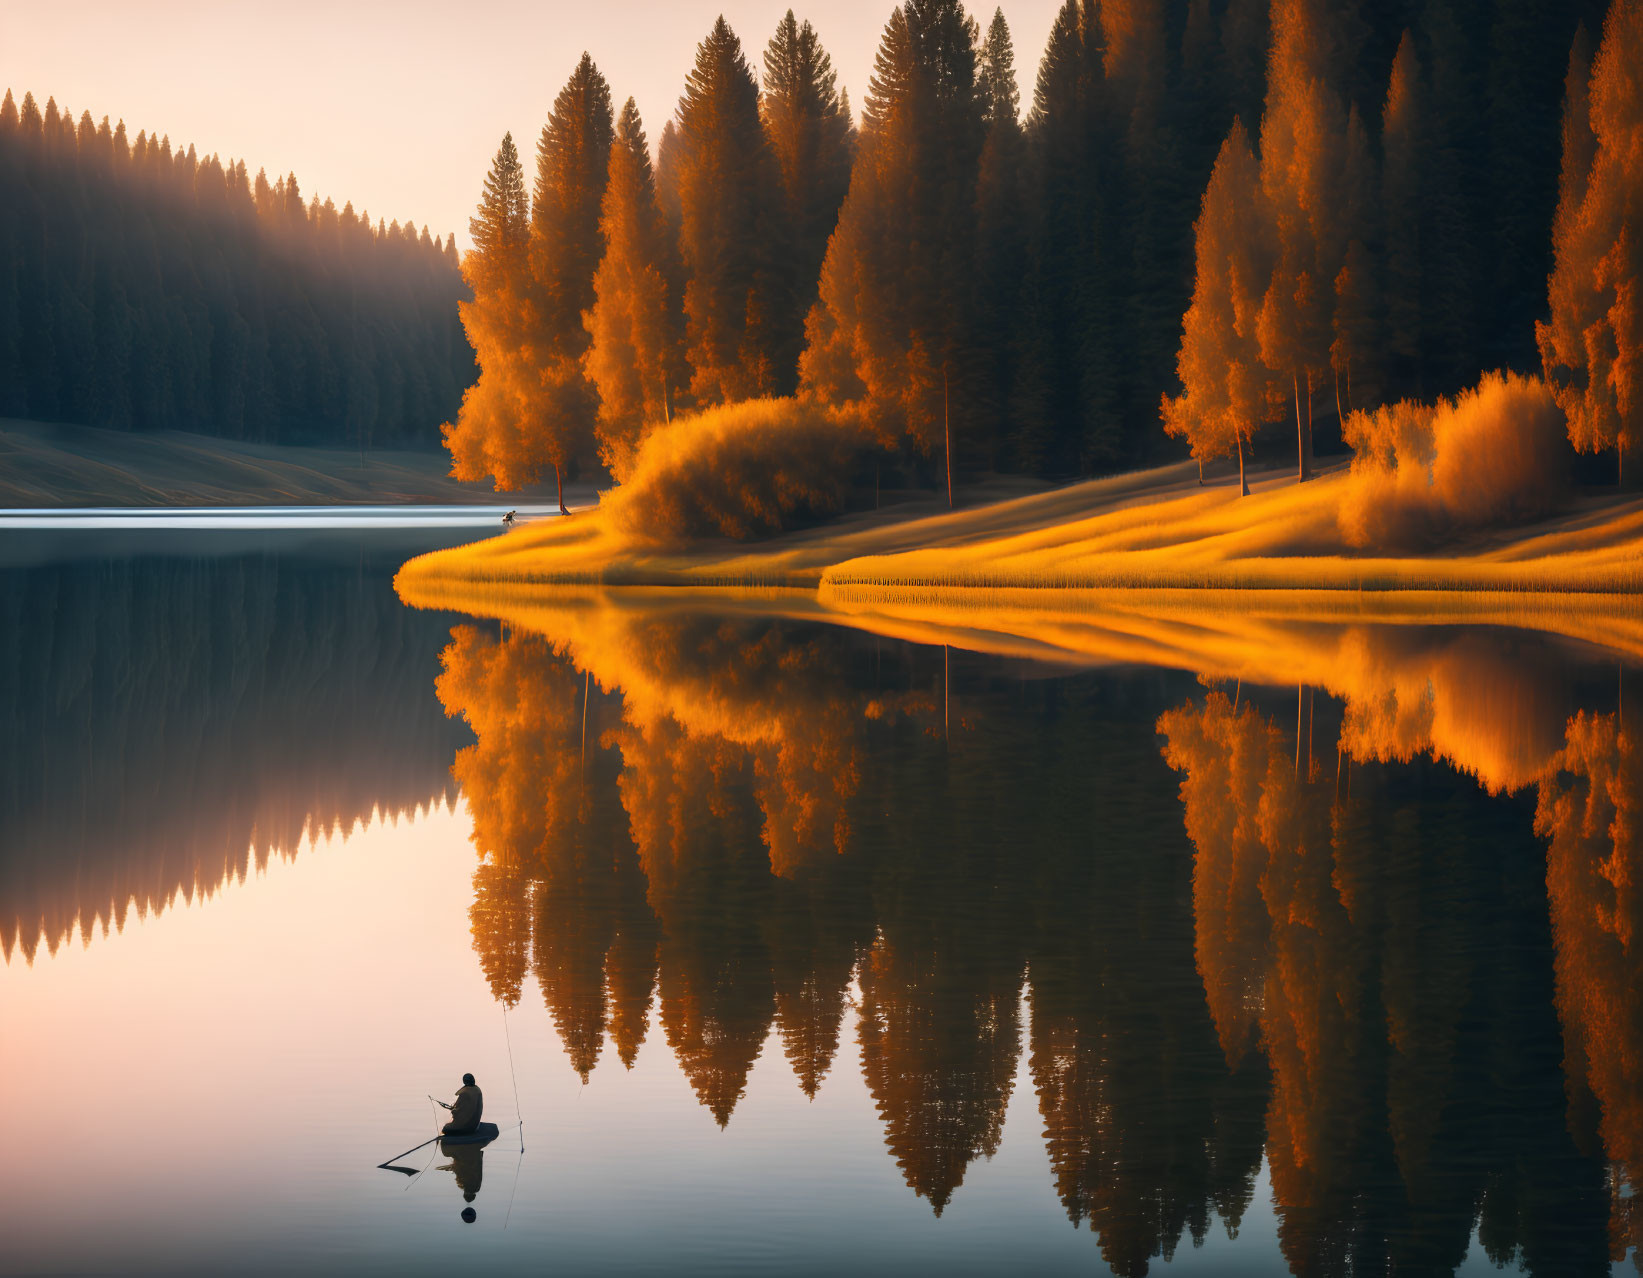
466	1109
468	1165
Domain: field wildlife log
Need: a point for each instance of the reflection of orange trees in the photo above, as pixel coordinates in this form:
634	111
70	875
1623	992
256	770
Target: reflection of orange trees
708	880
1377	891
558	881
1588	810
1224	758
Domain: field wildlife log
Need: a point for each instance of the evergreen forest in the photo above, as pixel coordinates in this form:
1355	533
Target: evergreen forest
144	288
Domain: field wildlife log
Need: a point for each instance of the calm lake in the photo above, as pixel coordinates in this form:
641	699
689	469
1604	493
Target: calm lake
783	945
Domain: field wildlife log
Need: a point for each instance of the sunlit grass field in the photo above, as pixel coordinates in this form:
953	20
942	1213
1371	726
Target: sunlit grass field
1151	530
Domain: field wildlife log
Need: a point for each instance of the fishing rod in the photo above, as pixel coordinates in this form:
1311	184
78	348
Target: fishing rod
388	1166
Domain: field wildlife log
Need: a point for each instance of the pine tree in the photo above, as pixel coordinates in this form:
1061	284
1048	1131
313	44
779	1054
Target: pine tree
1001	258
889	328
1355	321
1303	135
485	438
1401	200
557	404
1220	364
726	185
1592	347
812	140
500	230
1073	322
634	358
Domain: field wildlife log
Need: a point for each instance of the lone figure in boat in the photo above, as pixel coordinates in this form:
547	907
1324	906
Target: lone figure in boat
507	519
466	1109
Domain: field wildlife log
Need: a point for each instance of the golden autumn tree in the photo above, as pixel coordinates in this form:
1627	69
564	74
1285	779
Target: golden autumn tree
1592	347
633	357
486	436
1223	381
539	408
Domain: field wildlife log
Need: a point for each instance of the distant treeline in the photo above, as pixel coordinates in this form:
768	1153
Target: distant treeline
146	289
1011	273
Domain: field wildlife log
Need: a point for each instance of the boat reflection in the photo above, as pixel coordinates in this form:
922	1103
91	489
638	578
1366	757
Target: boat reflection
1383	939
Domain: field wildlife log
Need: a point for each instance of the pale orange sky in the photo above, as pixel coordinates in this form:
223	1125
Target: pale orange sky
400	106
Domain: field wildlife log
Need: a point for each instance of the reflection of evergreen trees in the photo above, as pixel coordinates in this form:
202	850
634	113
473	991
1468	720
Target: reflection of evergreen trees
1348	971
146	289
1400	961
165	724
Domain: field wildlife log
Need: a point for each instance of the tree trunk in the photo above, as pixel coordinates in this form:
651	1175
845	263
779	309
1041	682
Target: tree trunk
1300	433
559	479
1339	413
1200	472
1300	704
947	429
1243	482
1309	421
1619	463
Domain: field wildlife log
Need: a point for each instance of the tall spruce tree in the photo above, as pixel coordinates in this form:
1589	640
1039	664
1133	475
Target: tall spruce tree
726	185
572	162
634	358
1009	413
485	438
1402	128
890	328
1303	153
812	140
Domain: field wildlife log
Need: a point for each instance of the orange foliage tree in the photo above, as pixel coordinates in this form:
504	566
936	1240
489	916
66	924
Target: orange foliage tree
1592	347
533	406
1223	382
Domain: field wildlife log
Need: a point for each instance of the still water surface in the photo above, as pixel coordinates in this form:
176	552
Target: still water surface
811	950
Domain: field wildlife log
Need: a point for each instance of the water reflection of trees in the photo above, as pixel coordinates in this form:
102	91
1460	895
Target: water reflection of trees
168	724
1341	959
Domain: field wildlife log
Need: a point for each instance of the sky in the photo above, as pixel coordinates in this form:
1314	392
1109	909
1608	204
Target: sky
400	107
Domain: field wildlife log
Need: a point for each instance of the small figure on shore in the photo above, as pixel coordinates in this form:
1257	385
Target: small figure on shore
507	519
466	1110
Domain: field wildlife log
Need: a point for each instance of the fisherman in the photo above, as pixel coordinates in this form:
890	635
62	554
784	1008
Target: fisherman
466	1109
507	519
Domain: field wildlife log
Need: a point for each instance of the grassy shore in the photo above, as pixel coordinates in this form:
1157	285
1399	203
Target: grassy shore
1155	529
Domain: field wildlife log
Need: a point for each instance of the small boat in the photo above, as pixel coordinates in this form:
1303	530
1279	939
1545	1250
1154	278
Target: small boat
481	1135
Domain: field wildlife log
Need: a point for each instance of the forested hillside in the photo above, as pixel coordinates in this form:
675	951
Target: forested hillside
148	289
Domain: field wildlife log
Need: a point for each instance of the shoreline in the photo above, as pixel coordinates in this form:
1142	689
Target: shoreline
1152	530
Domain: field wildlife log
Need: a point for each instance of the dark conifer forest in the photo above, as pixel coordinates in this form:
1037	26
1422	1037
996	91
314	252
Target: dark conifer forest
148	289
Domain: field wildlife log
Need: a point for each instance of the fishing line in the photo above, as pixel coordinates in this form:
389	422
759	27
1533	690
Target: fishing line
518	1117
